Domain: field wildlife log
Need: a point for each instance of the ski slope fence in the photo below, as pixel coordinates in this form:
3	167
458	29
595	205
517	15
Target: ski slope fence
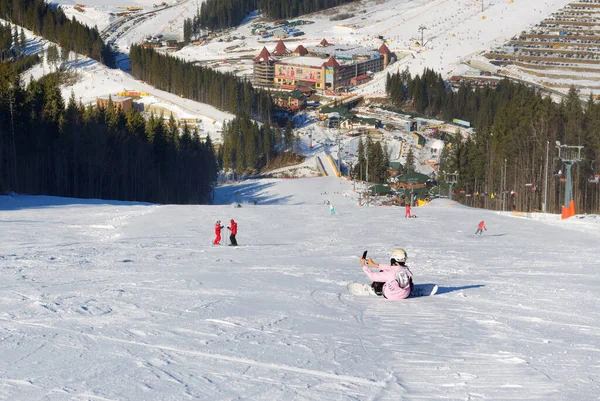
320	166
335	169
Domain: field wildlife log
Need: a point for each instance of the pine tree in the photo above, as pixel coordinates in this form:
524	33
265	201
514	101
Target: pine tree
409	163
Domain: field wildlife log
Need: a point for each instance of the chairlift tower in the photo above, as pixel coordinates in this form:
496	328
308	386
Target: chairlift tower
421	29
569	155
451	179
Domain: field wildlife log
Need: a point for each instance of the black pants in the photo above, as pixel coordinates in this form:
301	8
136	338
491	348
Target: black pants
377	287
232	239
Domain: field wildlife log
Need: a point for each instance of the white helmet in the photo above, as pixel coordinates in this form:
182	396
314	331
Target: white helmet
399	255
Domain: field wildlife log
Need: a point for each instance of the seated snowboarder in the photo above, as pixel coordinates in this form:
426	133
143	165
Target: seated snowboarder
393	281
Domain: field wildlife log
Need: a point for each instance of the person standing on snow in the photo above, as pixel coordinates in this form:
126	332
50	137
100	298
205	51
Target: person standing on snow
331	209
233	229
393	281
407	213
480	228
218	228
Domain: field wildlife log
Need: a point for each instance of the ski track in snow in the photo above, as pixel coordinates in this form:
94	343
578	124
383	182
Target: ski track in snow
131	301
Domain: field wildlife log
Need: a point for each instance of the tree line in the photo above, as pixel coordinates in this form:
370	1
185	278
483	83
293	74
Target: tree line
221	90
12	45
47	147
217	15
515	125
51	22
293	8
249	146
223	14
378	160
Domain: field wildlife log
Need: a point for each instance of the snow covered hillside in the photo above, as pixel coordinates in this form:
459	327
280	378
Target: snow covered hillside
453	32
109	300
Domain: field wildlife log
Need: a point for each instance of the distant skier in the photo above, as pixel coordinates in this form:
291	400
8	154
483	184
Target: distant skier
407	212
233	229
218	228
331	209
480	227
393	281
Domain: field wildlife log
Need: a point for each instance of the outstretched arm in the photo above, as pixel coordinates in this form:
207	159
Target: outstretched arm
368	262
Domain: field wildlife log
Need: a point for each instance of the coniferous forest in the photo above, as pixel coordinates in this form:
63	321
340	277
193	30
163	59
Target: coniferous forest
514	128
219	14
50	22
223	14
47	147
248	147
221	90
290	9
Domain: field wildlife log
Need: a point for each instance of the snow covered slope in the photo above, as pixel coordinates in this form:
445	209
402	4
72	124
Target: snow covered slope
123	301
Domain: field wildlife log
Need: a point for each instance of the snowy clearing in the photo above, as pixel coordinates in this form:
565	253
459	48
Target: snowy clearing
124	301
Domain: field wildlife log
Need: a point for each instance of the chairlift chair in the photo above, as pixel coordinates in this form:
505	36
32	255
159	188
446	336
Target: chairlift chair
595	178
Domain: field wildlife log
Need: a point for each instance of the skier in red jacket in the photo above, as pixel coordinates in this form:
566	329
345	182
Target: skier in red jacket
218	228
233	229
480	228
407	213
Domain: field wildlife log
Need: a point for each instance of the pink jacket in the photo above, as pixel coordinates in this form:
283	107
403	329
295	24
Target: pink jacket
391	288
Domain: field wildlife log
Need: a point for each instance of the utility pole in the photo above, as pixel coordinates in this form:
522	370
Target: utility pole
569	155
421	29
504	188
367	177
545	205
339	161
14	142
481	5
367	181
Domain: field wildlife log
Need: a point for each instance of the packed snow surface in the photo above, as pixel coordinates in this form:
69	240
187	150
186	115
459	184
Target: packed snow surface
104	300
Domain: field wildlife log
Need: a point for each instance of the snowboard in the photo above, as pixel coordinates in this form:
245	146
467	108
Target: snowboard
365	290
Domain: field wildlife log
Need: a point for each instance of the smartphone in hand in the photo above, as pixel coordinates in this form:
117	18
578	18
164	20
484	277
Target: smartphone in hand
364	255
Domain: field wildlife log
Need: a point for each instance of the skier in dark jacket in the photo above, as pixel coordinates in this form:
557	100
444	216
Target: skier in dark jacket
233	229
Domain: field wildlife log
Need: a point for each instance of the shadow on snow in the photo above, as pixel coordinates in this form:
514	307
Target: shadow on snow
445	290
14	201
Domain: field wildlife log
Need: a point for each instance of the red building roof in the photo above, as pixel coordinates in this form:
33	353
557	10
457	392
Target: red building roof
383	49
324	43
280	49
331	63
263	57
301	50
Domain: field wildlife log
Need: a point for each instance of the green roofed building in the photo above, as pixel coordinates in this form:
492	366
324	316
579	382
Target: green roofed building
395	166
380	189
342	111
414	178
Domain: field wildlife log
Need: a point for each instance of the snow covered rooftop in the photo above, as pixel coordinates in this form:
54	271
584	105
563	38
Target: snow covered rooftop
308	61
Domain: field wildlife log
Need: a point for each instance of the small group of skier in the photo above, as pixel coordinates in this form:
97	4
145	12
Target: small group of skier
232	229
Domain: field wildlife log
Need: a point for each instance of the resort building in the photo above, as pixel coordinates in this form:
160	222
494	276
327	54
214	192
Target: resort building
322	67
119	102
264	68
